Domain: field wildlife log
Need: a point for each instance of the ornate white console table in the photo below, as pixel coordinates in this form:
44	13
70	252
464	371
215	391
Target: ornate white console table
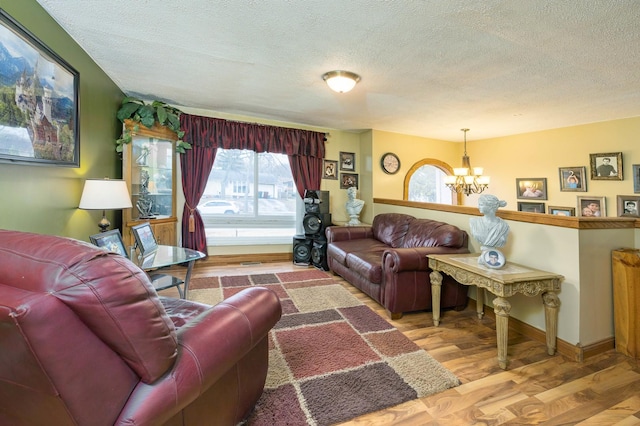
504	282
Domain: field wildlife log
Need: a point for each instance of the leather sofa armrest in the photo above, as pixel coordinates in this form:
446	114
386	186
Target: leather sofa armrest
345	233
414	258
208	347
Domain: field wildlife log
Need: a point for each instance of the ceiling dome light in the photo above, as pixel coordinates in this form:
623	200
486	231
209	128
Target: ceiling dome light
341	81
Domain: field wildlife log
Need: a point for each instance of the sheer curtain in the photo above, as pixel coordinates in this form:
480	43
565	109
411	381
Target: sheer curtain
304	148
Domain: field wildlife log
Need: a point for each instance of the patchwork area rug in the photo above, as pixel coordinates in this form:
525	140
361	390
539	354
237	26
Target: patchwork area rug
331	358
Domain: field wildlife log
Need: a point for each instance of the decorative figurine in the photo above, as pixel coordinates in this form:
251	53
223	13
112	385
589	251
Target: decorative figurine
490	231
354	206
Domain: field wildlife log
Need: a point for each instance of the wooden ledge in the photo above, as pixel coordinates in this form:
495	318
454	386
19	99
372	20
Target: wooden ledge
541	218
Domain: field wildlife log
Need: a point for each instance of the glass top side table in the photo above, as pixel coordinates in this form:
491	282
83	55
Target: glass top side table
168	256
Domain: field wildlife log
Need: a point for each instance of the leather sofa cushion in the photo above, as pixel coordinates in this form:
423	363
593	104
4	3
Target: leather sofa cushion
367	263
338	250
391	228
112	296
431	233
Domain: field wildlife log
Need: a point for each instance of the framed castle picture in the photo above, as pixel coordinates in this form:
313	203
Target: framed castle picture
39	123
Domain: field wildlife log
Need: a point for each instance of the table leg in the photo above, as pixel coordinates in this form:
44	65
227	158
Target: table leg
436	288
187	278
551	303
480	302
502	307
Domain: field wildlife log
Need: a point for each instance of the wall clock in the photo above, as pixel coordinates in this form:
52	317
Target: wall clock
390	163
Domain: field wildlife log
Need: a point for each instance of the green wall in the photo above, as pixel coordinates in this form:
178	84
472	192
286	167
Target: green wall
45	199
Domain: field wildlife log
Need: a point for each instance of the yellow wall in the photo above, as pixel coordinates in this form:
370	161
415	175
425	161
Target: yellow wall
540	154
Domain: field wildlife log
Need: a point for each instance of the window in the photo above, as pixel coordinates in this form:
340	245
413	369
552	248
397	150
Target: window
250	198
425	183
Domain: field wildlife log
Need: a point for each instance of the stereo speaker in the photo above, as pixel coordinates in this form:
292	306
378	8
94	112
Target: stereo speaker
319	254
302	250
314	224
316	201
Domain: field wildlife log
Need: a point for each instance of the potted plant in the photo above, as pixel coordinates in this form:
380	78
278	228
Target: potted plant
149	114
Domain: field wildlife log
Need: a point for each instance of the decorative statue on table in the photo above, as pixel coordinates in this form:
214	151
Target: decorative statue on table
490	231
354	206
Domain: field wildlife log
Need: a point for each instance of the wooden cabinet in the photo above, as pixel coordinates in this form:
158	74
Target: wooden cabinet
626	300
149	168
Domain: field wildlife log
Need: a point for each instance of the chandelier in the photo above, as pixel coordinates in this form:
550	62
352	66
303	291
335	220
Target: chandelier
467	180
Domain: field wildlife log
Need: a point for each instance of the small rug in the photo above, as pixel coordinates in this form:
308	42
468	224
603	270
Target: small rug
331	358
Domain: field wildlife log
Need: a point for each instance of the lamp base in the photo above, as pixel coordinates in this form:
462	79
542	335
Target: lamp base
104	223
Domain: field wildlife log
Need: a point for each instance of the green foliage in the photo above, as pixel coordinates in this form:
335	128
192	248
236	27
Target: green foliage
147	115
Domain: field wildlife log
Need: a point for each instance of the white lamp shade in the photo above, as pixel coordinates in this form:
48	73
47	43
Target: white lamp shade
105	194
341	81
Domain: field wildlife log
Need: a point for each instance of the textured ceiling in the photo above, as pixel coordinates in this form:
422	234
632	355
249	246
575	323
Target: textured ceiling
428	67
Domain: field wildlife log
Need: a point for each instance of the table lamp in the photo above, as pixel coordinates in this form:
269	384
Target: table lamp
105	194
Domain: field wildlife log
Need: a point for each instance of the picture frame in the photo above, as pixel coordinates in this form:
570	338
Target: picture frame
606	166
597	205
145	239
347	180
531	188
636	178
562	211
628	205
330	169
347	161
26	137
493	258
111	241
531	207
573	179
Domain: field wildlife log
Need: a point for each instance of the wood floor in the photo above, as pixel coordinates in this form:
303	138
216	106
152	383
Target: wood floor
536	388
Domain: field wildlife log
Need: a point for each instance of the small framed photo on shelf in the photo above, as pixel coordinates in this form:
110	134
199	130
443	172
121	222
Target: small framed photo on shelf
636	178
145	240
348	161
628	205
528	188
347	180
110	240
592	206
330	170
606	166
562	211
573	179
530	207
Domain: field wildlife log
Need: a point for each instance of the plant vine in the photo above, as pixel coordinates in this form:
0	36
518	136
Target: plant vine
148	114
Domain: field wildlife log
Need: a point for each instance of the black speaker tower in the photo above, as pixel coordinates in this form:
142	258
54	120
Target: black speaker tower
311	248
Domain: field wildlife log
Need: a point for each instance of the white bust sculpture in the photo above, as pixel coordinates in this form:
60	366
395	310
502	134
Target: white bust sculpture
489	230
354	206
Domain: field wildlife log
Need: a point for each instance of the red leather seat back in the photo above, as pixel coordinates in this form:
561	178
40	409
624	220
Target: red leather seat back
108	293
391	228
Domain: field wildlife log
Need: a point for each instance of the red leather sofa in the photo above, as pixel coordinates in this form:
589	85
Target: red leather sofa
388	260
85	340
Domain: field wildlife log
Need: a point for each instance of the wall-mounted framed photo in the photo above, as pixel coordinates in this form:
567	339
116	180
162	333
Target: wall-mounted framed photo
528	188
562	211
40	118
636	178
330	170
573	179
628	205
110	240
145	240
592	206
531	207
606	166
347	180
348	161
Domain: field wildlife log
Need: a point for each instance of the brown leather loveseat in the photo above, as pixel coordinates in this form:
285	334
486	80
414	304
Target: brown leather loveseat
387	260
85	340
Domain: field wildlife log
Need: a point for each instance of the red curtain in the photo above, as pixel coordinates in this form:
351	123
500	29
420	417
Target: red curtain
304	148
